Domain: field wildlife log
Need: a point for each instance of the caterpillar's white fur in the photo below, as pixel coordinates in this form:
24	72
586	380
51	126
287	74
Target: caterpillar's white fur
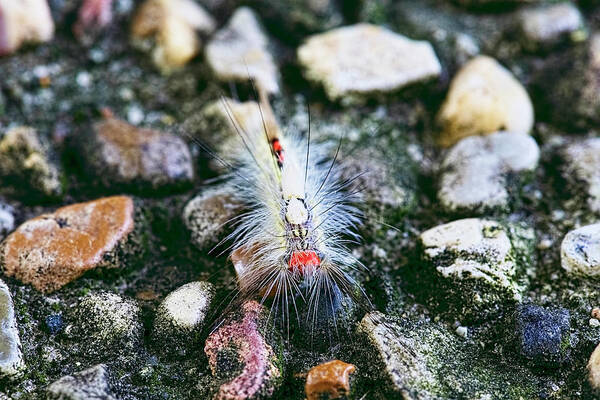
298	208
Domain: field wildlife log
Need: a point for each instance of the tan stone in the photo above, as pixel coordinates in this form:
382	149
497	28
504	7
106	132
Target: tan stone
484	97
52	250
332	378
173	23
593	368
131	153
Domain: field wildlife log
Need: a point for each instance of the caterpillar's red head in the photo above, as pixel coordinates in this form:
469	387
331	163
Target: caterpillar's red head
303	259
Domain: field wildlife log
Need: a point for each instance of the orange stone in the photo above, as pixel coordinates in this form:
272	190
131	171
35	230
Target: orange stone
52	250
332	378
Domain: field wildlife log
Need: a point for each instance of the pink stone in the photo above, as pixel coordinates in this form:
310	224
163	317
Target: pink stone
260	374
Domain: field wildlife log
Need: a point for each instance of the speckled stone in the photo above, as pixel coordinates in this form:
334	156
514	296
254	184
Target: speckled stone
331	378
122	154
24	21
543	335
580	251
582	171
106	324
27	167
364	59
404	356
11	358
207	214
474	170
240	50
180	316
547	24
173	24
239	347
484	97
474	259
52	250
90	384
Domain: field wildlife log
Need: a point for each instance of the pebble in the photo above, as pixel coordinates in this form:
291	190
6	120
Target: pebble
11	358
240	348
26	165
24	21
92	383
594	323
474	259
7	219
54	323
54	249
484	97
593	368
107	325
547	24
543	334
582	170
462	331
172	24
93	16
239	51
363	59
138	159
580	251
331	378
405	355
207	214
180	316
474	170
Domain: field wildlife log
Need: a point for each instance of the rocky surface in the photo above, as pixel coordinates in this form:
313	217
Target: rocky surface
475	171
484	97
11	357
359	60
512	324
240	51
474	257
580	251
91	383
120	154
51	250
26	160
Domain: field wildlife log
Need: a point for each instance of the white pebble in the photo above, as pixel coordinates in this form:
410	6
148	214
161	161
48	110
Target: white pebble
462	331
84	79
594	322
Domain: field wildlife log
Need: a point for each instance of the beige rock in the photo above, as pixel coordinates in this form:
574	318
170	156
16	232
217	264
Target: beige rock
23	21
484	97
173	24
580	251
593	368
239	51
548	23
363	59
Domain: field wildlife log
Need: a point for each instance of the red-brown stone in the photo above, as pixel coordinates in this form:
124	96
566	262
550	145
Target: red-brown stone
332	378
52	250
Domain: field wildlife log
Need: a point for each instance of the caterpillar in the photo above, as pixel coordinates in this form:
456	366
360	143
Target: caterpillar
292	241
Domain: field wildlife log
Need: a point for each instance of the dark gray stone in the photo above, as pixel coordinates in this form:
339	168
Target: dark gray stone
543	334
